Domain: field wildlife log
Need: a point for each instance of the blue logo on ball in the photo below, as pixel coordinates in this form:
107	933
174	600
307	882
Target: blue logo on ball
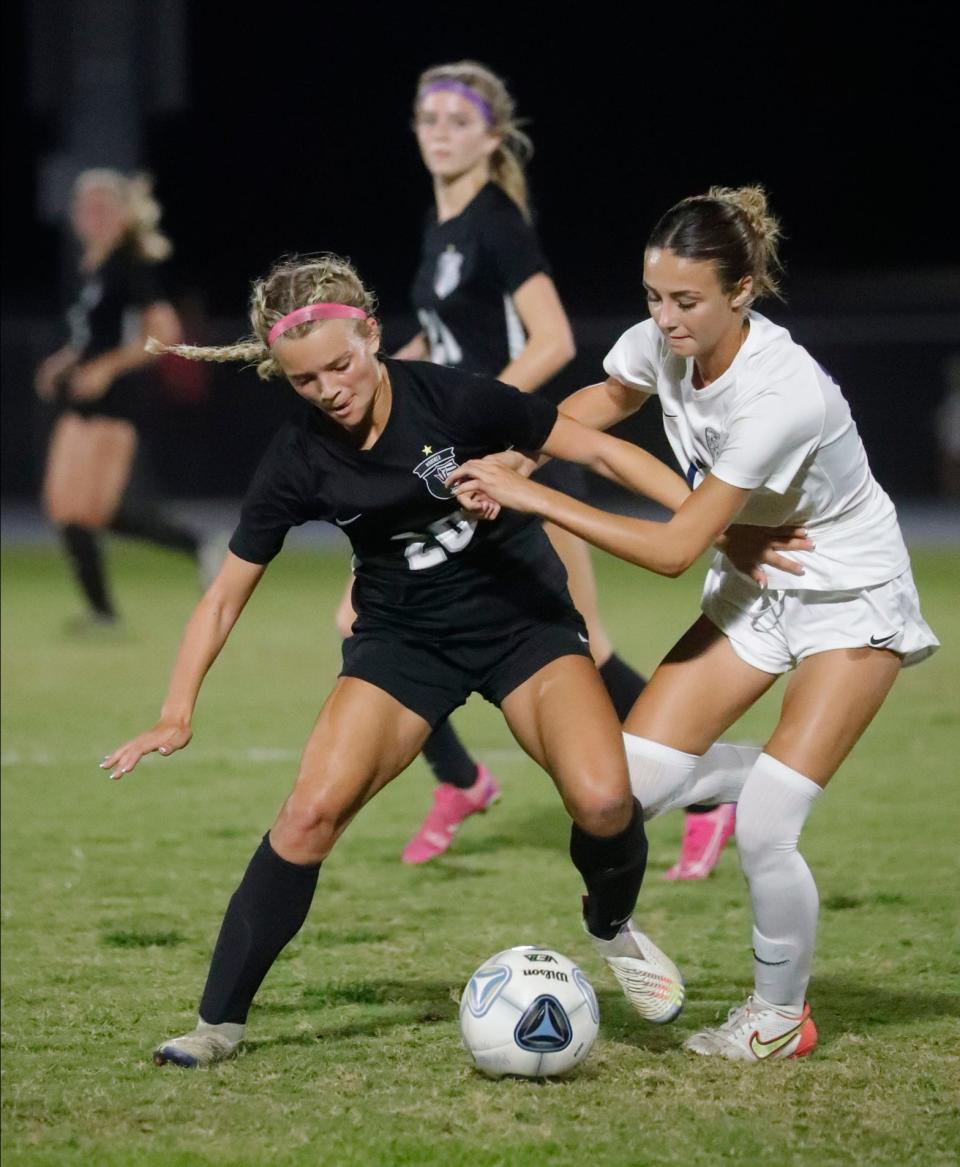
544	1027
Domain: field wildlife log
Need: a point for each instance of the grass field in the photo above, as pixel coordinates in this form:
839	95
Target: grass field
112	894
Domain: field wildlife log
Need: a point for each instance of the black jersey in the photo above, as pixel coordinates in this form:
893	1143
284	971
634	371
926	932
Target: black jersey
469	269
107	303
420	563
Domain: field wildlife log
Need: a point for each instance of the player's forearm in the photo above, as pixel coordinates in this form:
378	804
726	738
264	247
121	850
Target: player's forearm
203	638
652	545
636	470
541	359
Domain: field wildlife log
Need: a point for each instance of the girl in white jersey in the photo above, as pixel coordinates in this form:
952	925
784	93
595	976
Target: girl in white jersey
766	439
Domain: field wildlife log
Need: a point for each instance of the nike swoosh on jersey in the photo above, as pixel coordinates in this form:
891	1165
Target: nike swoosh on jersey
877	641
585	639
763	1049
347	522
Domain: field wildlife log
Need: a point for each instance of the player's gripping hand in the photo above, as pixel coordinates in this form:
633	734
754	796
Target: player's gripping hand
750	548
165	738
493	480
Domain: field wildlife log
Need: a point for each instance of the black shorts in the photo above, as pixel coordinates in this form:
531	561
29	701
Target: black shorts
570	477
122	402
433	677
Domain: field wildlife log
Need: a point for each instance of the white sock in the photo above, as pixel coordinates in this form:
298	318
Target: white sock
664	778
773	807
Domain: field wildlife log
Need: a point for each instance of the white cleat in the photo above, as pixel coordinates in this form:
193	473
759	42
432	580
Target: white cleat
206	1045
757	1032
650	980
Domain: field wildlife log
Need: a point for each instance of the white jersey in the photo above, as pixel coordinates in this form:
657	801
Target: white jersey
776	424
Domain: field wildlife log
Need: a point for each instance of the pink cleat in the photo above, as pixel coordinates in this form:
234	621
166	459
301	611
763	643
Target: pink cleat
451	805
704	837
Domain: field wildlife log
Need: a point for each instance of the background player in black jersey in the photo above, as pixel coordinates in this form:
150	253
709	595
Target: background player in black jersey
95	381
487	304
446	606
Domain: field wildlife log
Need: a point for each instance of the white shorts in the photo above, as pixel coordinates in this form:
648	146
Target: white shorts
774	630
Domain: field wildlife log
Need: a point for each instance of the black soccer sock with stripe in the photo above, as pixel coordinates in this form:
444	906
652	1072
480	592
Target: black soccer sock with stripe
264	914
623	683
448	758
145	521
612	868
86	559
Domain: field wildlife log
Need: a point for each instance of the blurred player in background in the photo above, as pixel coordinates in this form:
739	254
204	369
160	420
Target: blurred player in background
487	304
446	607
96	381
767	439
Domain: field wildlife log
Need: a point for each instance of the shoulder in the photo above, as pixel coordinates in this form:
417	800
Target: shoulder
783	373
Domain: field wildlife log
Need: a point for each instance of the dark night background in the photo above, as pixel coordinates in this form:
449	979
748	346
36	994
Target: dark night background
293	135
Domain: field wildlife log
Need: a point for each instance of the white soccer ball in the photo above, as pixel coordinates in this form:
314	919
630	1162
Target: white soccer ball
528	1011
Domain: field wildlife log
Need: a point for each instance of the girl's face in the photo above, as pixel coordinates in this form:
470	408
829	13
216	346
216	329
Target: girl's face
98	216
690	307
452	134
335	368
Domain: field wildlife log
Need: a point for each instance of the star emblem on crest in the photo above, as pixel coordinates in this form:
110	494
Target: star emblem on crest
427	450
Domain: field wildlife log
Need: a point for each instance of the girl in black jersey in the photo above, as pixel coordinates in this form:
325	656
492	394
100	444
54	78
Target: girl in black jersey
487	304
95	379
445	607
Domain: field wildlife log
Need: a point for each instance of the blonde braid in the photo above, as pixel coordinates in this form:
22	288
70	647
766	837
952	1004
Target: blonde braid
294	282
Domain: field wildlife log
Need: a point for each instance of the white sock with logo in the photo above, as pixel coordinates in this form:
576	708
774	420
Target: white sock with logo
773	807
664	778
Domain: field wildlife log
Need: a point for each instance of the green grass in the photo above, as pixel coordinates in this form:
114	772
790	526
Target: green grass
112	894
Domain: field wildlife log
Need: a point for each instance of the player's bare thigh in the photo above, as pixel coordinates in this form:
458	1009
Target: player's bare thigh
830	700
562	717
697	692
362	739
88	467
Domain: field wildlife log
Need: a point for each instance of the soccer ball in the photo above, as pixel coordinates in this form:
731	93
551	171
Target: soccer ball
528	1011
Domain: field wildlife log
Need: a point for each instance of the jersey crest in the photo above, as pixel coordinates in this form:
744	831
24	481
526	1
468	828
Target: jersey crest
714	441
435	469
446	278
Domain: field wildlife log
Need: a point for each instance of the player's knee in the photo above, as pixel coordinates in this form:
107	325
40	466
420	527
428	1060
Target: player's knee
760	840
599	809
309	822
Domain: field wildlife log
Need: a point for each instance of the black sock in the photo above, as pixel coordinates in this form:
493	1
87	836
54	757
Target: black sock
699	809
144	521
623	683
264	914
448	759
86	559
612	868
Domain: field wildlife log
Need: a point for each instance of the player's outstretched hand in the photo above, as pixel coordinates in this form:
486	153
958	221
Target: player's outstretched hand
750	548
165	738
489	477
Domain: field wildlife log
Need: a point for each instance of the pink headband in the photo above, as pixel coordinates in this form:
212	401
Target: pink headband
313	312
465	91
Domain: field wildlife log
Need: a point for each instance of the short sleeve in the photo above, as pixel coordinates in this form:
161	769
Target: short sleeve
514	249
634	359
770	438
498	415
276	500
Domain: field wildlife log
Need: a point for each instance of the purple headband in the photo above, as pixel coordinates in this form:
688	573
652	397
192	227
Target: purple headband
313	312
464	91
